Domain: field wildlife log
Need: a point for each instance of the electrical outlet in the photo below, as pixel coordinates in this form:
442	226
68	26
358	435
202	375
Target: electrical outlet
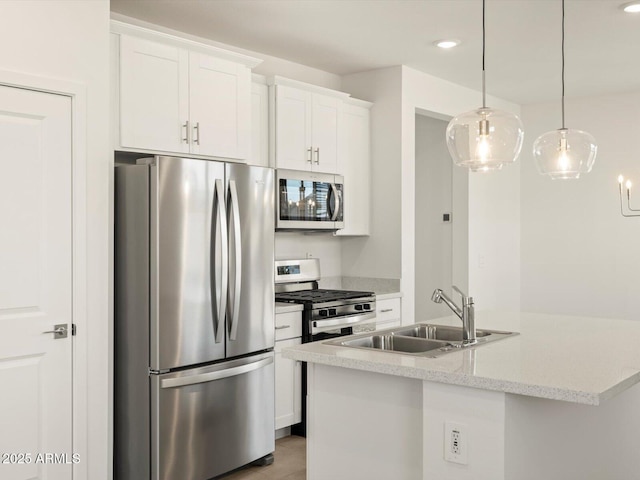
455	443
310	255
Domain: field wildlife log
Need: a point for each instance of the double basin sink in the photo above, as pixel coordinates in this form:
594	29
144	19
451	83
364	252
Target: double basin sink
422	339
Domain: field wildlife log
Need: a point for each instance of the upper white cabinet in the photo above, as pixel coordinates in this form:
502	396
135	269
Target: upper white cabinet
306	126
259	122
178	96
154	95
354	164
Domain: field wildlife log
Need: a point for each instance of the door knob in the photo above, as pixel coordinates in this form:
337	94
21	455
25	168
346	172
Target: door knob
59	331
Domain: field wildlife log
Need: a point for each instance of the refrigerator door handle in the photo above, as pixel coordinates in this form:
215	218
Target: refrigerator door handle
237	261
211	376
219	215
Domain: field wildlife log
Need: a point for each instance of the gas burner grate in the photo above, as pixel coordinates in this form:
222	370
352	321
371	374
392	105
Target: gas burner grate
319	295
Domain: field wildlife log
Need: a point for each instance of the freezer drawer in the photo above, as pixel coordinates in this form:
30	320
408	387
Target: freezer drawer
207	421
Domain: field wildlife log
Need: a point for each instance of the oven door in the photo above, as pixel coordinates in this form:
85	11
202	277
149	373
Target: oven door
309	201
337	324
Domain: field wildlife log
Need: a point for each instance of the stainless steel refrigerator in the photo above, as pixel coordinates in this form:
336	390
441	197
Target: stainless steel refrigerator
194	320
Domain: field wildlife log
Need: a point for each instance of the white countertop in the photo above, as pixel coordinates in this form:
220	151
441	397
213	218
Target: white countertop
576	359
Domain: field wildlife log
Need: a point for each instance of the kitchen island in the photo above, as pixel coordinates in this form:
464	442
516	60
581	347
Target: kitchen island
558	401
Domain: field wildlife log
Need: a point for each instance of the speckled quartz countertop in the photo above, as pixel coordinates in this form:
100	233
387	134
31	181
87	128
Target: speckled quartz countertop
576	359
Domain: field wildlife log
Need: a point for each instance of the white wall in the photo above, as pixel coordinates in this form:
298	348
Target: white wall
69	41
493	213
379	256
323	246
579	255
434	238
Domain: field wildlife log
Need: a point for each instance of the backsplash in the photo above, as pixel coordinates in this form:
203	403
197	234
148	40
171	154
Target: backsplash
377	285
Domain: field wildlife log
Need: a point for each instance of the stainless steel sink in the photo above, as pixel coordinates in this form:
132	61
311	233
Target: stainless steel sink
438	332
423	339
394	343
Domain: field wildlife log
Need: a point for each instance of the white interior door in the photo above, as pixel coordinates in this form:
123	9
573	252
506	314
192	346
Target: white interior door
35	285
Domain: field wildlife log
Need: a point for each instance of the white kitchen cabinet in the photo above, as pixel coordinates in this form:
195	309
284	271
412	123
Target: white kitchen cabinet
288	372
388	313
354	164
154	95
176	96
288	386
259	123
306	126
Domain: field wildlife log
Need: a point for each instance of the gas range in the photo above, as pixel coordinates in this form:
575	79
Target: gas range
326	313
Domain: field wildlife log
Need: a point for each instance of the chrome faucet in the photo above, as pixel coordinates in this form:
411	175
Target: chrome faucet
466	314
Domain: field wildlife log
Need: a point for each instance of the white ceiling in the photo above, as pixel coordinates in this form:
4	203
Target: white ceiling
346	36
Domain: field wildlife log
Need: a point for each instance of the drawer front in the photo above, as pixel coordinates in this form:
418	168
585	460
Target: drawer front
387	309
288	325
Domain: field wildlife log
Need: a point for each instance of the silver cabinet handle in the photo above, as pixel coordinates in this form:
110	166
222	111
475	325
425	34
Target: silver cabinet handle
237	260
59	331
196	133
185	139
385	310
318	156
282	327
310	158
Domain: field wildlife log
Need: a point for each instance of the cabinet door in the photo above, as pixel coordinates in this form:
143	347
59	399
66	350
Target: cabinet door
293	128
220	107
259	125
154	101
288	386
355	165
324	127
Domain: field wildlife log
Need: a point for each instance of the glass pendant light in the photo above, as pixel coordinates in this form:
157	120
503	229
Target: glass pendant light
484	139
564	153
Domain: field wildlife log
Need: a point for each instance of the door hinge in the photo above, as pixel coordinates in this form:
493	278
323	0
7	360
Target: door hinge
73	329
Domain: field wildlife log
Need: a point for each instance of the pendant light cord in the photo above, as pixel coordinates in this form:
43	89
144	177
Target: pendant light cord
484	88
563	128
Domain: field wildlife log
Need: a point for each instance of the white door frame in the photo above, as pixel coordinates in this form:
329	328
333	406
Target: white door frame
81	360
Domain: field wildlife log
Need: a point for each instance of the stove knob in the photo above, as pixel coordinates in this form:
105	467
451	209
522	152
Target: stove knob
323	313
358	307
332	311
367	306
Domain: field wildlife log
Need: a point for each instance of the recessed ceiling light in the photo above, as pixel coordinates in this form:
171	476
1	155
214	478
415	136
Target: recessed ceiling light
447	43
633	7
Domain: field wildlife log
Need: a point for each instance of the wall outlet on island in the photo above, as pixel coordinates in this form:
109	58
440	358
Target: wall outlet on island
455	443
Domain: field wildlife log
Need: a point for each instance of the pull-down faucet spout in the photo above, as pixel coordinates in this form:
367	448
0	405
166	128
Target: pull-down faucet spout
466	313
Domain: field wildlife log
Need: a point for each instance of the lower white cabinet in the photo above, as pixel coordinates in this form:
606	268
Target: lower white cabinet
288	372
388	313
288	386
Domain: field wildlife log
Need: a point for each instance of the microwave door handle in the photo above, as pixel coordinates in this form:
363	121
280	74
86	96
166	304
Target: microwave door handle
336	196
219	215
237	261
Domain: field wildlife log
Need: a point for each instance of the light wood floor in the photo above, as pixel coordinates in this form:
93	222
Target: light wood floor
290	463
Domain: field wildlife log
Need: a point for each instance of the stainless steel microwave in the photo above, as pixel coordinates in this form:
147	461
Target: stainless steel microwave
309	201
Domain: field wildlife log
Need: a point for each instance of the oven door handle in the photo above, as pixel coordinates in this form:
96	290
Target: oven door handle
341	322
